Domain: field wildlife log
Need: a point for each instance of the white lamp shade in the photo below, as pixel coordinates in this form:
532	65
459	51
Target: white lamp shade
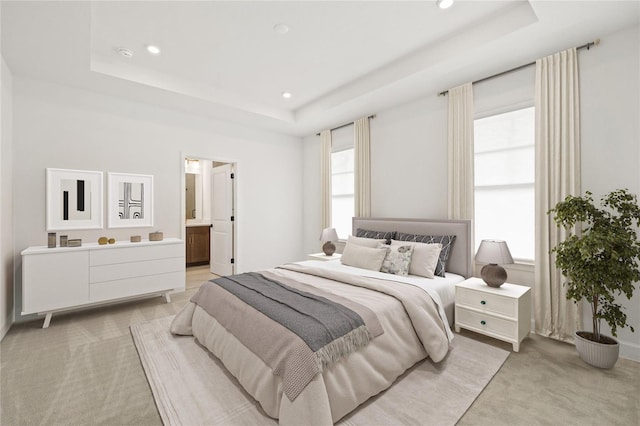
329	234
494	251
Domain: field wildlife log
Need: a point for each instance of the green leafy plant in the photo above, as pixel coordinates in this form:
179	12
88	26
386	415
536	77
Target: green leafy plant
601	261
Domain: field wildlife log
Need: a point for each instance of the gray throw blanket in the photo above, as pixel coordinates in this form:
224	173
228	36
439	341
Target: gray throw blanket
330	329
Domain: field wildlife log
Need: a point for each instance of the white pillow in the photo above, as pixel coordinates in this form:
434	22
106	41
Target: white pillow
363	257
366	242
424	258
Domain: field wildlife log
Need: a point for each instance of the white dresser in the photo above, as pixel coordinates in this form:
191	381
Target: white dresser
55	279
503	313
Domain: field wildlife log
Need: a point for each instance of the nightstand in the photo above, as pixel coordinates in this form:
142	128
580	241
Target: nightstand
324	257
503	313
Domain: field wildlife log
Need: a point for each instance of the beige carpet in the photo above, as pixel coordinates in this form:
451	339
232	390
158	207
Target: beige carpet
192	387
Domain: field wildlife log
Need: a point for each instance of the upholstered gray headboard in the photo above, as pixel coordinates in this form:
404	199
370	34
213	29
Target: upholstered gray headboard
460	258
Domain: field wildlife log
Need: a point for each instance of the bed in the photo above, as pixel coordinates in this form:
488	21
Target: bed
405	319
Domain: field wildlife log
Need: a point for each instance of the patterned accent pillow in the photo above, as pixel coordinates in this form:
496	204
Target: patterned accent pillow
446	241
397	260
424	259
379	235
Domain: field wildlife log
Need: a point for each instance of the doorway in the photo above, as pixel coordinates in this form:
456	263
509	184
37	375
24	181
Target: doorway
209	211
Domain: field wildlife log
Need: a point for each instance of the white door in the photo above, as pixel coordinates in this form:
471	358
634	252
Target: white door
222	228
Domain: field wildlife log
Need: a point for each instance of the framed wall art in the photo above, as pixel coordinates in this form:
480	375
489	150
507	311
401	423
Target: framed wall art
73	199
130	200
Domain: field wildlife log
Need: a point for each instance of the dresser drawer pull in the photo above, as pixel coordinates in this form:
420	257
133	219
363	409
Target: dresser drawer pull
483	322
483	302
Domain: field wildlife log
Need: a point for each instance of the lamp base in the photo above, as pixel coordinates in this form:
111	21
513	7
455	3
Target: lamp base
329	248
494	275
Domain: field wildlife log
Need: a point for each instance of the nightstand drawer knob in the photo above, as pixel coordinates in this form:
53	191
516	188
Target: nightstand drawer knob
483	302
483	322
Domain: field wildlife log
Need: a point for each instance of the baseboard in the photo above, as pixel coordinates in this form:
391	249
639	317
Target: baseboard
630	351
6	327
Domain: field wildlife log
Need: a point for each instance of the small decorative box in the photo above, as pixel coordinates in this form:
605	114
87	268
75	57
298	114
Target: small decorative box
74	242
137	238
155	236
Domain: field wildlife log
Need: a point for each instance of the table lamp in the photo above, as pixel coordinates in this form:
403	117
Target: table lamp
329	235
493	253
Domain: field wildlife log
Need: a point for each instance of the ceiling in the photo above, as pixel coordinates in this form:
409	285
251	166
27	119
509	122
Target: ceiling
339	60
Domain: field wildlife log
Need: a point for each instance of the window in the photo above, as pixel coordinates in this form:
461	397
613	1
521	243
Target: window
342	191
504	180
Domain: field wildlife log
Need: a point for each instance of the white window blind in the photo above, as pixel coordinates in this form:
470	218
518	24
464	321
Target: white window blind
504	180
342	191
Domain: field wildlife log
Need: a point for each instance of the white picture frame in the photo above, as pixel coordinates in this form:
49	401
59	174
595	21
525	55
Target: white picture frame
129	200
73	199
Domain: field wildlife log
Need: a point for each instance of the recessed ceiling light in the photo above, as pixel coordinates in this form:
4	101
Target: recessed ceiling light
286	95
281	28
444	4
124	52
154	50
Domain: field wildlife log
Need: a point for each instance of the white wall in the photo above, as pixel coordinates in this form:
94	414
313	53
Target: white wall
56	126
409	155
610	101
6	206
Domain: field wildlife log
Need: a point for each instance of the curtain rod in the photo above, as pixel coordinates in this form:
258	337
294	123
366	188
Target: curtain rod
346	124
584	46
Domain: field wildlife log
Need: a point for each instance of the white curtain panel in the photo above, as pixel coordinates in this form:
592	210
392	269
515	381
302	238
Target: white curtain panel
460	155
362	154
325	178
557	103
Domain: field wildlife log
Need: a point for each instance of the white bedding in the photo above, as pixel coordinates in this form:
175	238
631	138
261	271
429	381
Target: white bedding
444	287
350	381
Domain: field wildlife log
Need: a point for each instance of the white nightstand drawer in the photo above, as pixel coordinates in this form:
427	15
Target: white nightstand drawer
505	306
503	312
486	324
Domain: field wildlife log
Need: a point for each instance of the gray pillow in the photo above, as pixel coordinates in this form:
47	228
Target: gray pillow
379	235
446	241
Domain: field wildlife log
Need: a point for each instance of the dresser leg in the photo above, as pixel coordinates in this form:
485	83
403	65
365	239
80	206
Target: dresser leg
516	347
457	328
47	320
167	297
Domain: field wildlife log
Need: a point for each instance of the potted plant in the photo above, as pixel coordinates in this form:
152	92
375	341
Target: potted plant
600	262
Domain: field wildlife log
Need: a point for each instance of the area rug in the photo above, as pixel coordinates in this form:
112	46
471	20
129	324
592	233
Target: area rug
191	387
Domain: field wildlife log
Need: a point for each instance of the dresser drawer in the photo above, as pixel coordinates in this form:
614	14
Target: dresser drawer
485	302
119	255
487	324
98	274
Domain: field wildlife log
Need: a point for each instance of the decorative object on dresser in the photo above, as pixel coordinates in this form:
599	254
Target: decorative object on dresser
324	257
329	235
63	240
493	253
501	312
51	240
130	200
136	238
103	241
600	263
74	242
155	236
57	279
74	199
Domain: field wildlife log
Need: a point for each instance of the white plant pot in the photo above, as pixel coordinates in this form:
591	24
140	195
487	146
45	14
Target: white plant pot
597	354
